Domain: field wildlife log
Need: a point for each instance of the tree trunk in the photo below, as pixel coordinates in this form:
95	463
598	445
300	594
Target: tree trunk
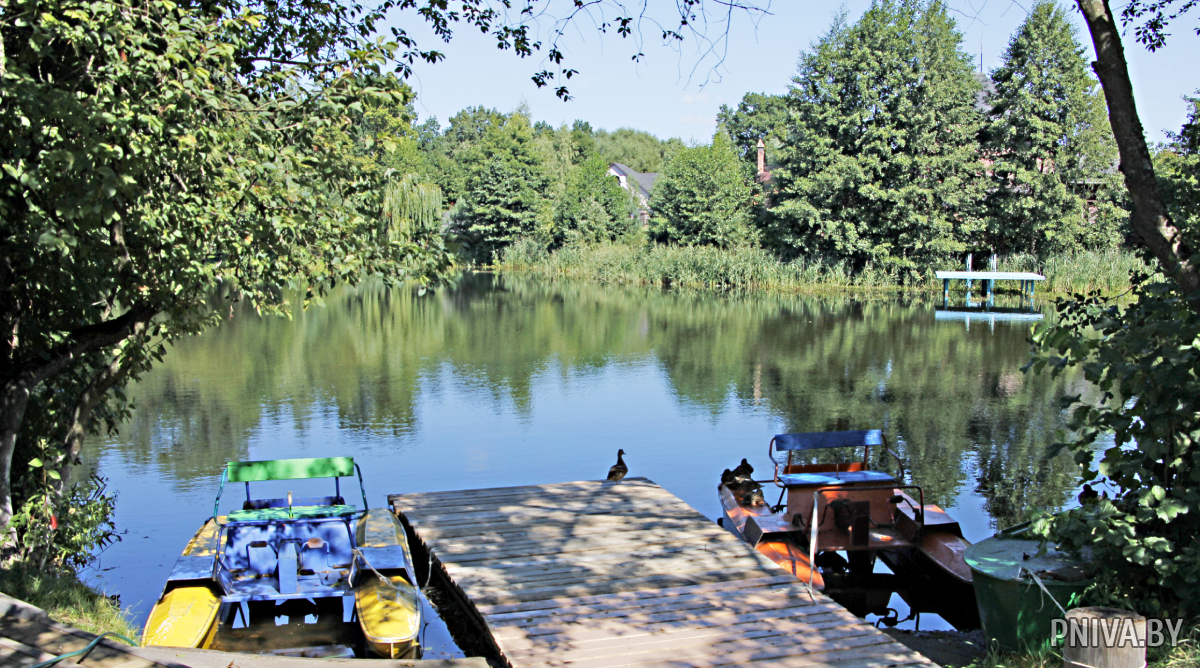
13	401
1149	218
81	415
21	379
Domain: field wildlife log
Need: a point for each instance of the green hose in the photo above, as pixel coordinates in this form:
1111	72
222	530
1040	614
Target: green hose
90	646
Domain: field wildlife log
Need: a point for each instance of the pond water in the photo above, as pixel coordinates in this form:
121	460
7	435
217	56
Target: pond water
509	380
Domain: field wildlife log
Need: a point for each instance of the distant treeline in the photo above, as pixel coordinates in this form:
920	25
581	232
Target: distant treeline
504	178
888	157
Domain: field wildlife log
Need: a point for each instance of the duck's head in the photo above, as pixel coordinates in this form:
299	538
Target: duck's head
620	452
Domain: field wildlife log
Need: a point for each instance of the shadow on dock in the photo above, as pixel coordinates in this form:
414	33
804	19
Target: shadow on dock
598	574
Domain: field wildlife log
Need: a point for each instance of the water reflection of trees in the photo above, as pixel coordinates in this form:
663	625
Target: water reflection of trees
953	401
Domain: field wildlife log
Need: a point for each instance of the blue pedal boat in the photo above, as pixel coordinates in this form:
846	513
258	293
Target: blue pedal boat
288	549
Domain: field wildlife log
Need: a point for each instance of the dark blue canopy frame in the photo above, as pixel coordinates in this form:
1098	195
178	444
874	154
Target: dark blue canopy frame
827	439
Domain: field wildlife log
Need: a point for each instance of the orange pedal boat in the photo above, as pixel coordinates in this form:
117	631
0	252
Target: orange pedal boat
833	521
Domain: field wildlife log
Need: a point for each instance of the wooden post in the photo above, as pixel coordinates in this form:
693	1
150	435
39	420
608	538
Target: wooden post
969	281
945	289
1104	638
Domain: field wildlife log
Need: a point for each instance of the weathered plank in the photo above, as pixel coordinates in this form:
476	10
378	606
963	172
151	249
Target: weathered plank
600	574
782	582
686	622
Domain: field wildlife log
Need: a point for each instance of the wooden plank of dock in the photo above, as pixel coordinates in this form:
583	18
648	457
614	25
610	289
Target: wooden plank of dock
600	574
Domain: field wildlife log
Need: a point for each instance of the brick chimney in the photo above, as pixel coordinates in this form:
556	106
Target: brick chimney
762	157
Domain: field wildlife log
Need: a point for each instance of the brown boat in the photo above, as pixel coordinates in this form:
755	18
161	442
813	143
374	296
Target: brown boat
832	521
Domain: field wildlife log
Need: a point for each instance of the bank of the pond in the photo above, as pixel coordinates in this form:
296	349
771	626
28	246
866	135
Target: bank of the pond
953	649
755	268
68	600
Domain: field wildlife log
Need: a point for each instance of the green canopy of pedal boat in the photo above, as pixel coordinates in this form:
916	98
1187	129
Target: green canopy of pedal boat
289	469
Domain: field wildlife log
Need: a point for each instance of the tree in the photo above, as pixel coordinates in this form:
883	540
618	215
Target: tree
593	206
505	181
447	152
702	197
138	175
881	164
1149	220
758	117
584	140
1047	138
1142	355
638	149
412	210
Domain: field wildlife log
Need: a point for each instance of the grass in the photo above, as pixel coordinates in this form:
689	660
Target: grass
1184	655
692	267
68	600
1107	271
757	269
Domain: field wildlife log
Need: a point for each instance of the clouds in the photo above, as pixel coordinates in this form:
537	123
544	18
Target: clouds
701	97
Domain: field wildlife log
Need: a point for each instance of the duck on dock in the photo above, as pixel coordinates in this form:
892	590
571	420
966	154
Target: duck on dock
619	469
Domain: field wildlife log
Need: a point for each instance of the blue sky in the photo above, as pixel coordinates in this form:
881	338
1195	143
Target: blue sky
676	91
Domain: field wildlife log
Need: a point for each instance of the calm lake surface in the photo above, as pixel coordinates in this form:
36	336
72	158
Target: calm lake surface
508	380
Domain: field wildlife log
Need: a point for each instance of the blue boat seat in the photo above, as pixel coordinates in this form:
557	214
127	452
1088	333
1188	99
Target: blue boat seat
830	479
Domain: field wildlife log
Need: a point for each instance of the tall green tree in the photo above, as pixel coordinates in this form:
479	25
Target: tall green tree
593	206
881	163
703	197
1049	144
505	184
448	152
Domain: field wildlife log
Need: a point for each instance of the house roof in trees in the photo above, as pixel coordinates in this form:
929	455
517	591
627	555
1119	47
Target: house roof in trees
628	178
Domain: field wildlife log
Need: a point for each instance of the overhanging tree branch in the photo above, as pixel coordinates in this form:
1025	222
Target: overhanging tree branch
85	340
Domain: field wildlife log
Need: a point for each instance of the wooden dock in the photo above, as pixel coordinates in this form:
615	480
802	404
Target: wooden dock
989	278
598	574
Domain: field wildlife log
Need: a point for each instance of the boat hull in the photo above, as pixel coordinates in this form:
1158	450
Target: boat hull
186	612
389	615
1014	577
183	617
757	526
386	600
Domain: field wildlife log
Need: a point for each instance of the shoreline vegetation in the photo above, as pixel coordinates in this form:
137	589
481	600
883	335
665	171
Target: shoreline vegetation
754	268
69	600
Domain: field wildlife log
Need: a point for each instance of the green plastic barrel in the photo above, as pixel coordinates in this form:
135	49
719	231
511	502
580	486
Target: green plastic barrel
1015	612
